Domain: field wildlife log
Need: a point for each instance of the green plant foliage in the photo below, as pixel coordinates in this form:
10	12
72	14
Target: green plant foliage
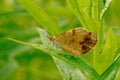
108	50
112	71
47	22
107	4
77	63
67	64
74	67
82	11
101	63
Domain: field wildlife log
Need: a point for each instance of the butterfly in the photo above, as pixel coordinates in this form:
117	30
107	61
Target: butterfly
77	41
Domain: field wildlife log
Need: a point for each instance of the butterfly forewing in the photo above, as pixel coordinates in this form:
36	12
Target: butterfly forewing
76	41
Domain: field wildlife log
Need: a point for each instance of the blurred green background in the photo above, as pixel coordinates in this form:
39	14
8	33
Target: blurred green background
18	62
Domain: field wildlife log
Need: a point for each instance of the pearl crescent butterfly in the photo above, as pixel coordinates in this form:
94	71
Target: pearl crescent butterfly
77	41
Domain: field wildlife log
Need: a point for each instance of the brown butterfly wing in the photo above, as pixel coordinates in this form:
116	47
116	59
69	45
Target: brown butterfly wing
77	41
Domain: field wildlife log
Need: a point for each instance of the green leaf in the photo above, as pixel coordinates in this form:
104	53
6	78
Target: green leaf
96	8
118	46
77	62
20	49
100	6
106	57
101	32
99	46
84	5
68	71
118	76
82	10
112	70
47	22
105	8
